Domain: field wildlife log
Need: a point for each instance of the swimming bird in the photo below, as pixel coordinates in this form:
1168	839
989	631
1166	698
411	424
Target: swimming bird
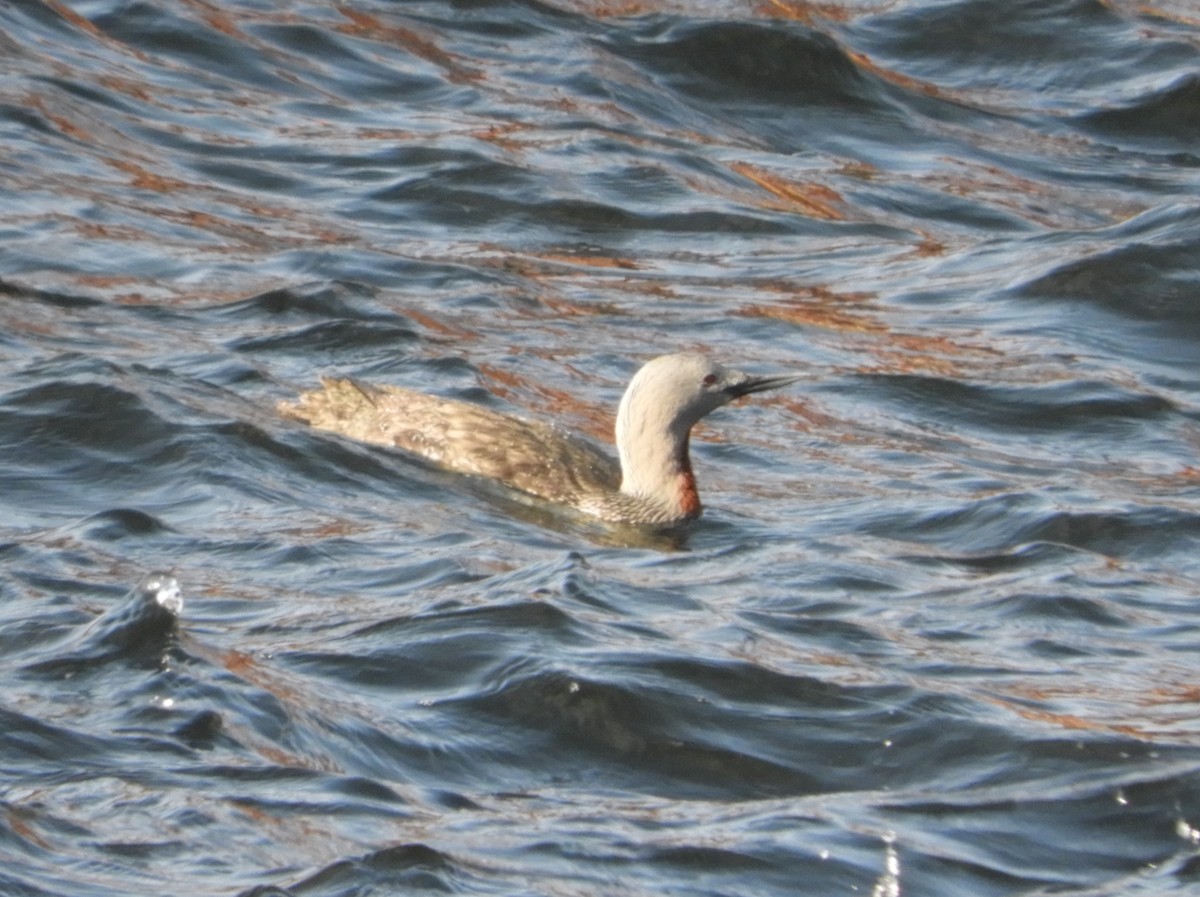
652	485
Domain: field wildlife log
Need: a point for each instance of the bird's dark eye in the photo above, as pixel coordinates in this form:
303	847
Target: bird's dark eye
710	379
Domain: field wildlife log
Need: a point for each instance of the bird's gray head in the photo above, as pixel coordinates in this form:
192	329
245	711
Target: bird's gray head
678	390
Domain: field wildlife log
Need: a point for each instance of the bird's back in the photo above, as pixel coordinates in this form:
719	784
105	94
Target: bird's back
460	436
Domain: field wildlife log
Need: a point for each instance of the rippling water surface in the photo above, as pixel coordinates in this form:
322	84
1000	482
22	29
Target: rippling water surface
937	632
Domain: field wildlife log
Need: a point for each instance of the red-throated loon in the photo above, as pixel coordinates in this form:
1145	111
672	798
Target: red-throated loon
652	486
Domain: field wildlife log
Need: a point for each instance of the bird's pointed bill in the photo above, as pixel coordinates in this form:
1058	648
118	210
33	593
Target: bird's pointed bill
749	383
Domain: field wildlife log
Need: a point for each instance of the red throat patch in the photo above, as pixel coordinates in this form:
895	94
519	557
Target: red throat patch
689	498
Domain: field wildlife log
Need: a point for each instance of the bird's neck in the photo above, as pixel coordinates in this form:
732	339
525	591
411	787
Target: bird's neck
655	463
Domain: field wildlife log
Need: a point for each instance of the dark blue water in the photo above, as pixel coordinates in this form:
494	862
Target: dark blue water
937	633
